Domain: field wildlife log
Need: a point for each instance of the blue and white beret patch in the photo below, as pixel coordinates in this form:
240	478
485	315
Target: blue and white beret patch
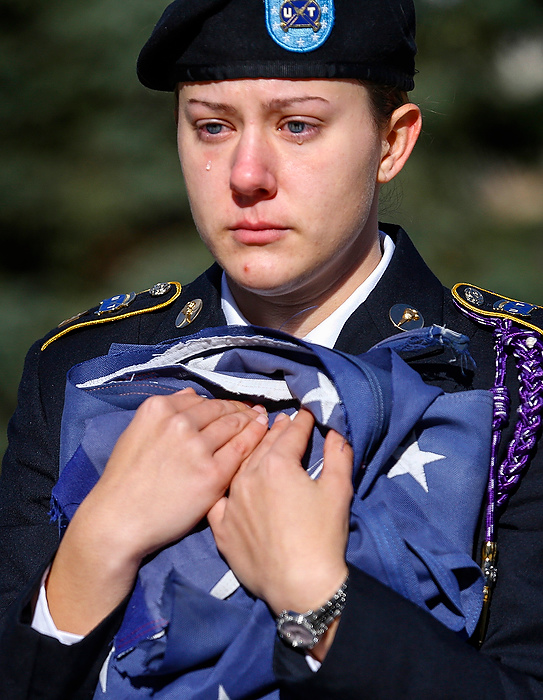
299	25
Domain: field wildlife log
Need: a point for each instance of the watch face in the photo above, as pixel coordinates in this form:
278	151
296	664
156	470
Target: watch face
297	635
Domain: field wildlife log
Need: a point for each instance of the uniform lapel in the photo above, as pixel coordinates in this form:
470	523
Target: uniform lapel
407	280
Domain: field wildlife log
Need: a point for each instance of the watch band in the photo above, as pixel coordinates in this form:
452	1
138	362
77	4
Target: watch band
304	630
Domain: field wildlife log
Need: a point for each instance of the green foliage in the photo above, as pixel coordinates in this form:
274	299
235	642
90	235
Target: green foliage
474	187
92	196
89	161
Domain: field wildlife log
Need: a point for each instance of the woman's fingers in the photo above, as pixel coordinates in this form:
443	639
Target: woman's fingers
338	463
198	411
271	528
232	444
286	439
295	436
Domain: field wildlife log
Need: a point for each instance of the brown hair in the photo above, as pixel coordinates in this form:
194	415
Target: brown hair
384	100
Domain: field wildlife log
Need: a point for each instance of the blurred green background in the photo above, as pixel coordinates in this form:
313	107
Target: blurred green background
92	199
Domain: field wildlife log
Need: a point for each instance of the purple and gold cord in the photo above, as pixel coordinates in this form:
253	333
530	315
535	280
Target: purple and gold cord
527	348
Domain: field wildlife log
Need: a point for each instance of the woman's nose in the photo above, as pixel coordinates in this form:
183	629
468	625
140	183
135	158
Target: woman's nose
253	176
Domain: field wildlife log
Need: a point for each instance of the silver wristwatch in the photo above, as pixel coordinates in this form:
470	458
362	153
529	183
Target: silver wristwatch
304	630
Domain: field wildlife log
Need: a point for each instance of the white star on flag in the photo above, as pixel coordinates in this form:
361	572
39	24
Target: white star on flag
325	394
412	461
223	695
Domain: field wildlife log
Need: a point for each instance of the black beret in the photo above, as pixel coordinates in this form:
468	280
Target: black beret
230	39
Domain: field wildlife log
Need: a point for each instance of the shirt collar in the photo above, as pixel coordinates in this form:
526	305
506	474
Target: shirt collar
327	332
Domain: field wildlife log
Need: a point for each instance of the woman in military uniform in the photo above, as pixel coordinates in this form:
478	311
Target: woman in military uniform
291	115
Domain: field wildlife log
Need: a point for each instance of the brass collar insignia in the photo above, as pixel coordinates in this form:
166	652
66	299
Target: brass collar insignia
189	313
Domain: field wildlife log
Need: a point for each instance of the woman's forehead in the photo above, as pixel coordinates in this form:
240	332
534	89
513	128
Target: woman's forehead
274	90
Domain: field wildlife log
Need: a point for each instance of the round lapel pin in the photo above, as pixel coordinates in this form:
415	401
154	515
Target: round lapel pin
405	317
189	313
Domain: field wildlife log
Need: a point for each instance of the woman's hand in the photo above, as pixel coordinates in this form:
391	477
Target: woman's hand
170	466
172	463
283	534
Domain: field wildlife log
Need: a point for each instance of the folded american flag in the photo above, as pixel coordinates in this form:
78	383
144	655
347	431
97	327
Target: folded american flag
420	469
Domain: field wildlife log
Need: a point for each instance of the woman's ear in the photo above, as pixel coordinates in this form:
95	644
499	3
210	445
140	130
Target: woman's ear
399	140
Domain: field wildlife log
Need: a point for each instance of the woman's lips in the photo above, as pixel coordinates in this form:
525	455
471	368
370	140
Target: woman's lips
260	233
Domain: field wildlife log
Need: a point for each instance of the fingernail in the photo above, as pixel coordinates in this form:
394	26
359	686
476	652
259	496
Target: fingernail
279	417
262	419
259	409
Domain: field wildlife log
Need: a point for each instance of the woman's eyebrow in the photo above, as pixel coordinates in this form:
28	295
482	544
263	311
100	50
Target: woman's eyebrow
215	106
273	105
282	103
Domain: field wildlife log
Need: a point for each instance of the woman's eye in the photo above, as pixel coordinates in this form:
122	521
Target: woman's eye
296	127
299	129
213	128
212	131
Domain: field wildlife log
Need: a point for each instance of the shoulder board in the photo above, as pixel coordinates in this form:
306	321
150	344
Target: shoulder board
488	305
120	306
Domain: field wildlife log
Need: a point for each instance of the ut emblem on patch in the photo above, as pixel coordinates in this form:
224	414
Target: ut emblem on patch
299	25
297	14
